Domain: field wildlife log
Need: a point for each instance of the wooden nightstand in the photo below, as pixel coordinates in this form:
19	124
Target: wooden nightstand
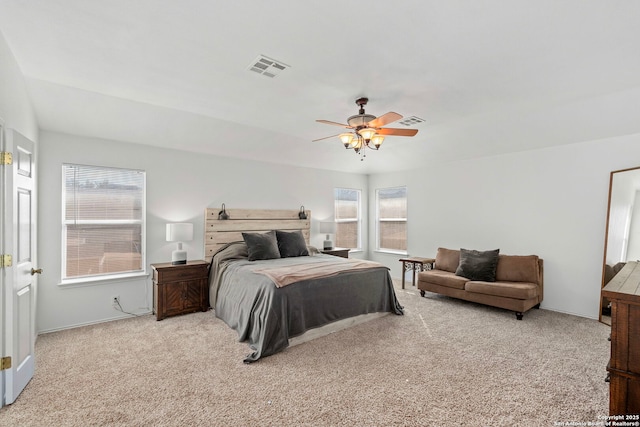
180	289
341	252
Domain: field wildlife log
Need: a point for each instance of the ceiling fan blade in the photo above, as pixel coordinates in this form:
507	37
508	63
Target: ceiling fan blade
326	137
328	122
397	132
384	119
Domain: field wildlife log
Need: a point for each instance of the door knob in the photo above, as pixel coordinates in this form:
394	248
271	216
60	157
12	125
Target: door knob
34	271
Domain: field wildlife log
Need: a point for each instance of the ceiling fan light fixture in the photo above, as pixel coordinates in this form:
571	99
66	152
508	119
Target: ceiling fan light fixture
367	133
360	120
356	143
376	140
346	139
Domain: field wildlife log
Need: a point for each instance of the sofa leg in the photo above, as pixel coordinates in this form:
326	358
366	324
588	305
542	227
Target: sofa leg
518	315
422	293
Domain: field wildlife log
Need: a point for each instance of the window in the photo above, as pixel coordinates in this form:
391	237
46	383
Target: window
347	214
391	208
103	212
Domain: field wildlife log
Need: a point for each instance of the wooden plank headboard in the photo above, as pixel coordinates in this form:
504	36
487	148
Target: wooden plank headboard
220	232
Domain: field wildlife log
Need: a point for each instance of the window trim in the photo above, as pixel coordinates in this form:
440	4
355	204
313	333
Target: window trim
103	277
358	220
79	282
379	220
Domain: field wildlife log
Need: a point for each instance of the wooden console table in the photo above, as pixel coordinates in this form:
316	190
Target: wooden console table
415	264
624	366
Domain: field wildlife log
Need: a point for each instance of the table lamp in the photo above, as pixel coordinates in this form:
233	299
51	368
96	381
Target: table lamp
328	227
179	232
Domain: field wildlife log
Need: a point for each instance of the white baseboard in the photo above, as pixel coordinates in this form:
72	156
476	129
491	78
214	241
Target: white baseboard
95	322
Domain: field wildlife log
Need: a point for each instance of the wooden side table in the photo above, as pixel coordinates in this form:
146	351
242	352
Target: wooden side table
341	252
179	289
415	264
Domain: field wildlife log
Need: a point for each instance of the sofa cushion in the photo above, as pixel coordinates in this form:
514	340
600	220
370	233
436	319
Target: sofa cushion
478	265
447	259
516	290
442	278
518	268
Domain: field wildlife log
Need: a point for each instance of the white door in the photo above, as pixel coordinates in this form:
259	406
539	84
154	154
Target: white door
2	329
19	278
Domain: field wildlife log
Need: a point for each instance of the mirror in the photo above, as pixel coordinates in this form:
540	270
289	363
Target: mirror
622	238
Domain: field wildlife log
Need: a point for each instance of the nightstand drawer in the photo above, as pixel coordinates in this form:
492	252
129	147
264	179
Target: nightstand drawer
180	273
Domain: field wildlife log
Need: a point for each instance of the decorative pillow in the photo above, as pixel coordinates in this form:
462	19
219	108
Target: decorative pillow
477	265
261	245
291	243
447	259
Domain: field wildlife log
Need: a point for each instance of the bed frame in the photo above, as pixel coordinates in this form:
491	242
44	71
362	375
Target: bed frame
218	232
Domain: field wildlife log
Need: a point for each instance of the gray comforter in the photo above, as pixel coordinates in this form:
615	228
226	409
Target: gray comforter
266	316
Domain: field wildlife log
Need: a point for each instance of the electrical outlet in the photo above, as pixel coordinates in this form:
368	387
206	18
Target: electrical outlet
115	301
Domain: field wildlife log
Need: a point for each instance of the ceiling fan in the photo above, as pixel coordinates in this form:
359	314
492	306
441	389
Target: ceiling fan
368	130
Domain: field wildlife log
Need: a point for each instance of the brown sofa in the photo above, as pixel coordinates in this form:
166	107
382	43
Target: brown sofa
518	284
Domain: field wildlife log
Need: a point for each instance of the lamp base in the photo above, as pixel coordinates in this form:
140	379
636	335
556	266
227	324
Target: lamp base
178	257
327	245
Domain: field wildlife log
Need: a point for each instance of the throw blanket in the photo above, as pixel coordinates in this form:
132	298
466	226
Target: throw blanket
283	276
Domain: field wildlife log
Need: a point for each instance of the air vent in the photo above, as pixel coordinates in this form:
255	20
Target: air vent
267	67
411	121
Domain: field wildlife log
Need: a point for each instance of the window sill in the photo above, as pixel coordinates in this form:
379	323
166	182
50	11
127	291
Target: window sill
100	280
390	252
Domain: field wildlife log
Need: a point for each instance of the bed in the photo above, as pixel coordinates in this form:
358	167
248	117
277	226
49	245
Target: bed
278	302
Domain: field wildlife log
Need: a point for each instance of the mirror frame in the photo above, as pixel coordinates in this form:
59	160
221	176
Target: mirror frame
606	235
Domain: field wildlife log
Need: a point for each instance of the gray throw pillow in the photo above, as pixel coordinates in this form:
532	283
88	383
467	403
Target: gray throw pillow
478	265
291	243
261	245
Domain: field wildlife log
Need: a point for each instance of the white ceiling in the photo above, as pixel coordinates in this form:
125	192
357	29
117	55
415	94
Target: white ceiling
488	76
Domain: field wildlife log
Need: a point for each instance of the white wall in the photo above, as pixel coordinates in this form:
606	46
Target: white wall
180	185
550	202
15	105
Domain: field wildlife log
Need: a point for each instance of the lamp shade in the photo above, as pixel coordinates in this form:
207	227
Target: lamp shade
328	227
377	140
367	133
179	232
346	139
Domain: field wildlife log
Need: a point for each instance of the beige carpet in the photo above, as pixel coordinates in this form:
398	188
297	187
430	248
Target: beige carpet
445	363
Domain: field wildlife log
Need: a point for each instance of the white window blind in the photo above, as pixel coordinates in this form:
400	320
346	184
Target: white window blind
391	206
347	216
103	221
